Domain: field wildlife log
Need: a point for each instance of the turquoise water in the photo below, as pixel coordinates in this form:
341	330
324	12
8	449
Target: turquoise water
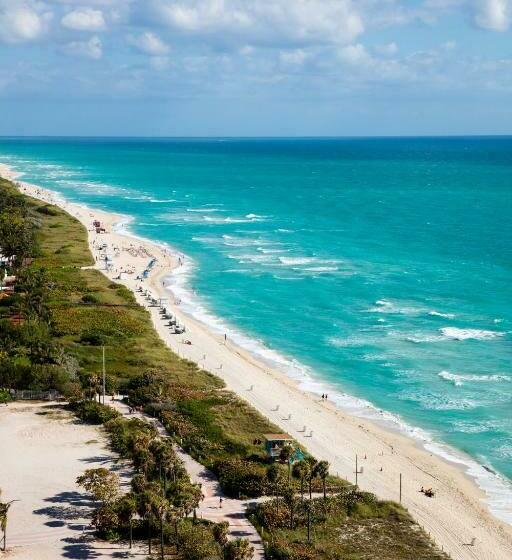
380	267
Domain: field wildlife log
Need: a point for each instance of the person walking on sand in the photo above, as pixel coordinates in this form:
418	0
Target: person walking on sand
220	502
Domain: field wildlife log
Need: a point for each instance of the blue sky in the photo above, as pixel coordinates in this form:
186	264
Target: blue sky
255	67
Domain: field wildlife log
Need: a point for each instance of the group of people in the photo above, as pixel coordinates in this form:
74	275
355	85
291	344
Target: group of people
324	396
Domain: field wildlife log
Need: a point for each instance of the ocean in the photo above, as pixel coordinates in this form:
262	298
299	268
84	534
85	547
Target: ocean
377	270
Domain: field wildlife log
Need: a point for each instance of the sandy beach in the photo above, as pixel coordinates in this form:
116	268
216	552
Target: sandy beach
44	449
457	518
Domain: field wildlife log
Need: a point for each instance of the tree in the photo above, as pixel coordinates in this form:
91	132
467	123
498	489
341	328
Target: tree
273	476
322	471
146	505
220	533
101	483
300	471
308	506
142	456
160	509
286	456
187	497
289	499
310	463
127	508
238	549
17	239
35	285
4	511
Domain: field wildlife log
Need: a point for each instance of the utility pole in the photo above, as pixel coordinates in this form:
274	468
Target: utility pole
357	471
104	375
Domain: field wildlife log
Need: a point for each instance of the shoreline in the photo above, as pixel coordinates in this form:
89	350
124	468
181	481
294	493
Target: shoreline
453	518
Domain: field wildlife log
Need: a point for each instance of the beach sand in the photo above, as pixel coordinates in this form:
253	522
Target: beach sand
455	517
42	451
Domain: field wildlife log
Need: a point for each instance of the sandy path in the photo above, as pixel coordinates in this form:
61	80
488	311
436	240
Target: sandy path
42	451
457	514
232	511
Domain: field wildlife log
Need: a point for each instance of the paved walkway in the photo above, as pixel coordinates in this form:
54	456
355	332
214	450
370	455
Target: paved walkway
232	511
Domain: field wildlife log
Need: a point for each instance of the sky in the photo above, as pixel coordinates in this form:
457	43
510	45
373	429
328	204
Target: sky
255	67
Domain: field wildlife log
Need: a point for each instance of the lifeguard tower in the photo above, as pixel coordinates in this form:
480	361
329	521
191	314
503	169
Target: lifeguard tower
275	442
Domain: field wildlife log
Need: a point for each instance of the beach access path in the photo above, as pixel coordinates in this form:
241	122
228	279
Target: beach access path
458	518
43	449
231	511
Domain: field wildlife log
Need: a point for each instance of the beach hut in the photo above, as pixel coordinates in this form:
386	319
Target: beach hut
275	442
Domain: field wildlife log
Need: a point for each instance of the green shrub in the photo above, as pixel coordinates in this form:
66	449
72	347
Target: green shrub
5	397
47	210
93	412
89	298
240	478
92	337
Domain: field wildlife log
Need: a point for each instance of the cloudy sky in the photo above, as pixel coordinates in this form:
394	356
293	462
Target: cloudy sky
255	67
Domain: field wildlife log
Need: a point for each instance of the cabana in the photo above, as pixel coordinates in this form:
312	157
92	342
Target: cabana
275	442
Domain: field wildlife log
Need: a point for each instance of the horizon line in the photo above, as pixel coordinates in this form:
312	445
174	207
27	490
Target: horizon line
253	137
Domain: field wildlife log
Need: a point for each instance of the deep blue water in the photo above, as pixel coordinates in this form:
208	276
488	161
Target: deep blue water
382	267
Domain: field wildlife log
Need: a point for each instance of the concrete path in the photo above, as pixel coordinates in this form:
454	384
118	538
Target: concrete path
233	511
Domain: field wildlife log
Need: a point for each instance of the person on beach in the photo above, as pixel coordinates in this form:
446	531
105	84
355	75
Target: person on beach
220	503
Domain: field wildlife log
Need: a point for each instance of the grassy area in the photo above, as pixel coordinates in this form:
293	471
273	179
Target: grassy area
86	310
350	526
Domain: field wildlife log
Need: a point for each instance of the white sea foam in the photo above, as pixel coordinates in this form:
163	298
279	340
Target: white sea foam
204	210
436	401
203	217
424	338
444	315
386	306
321	269
458	379
468	334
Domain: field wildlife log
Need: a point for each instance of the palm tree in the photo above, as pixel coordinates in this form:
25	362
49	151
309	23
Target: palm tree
239	549
273	476
146	508
157	447
322	471
300	471
142	456
160	509
220	533
127	508
308	506
170	464
286	456
311	463
289	499
4	510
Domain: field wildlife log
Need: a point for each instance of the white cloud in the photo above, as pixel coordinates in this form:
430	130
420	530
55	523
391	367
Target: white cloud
296	57
92	48
493	14
364	67
159	62
387	50
150	43
84	19
274	22
21	21
355	55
